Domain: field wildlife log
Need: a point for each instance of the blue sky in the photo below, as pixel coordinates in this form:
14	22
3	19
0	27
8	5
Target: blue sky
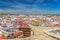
30	6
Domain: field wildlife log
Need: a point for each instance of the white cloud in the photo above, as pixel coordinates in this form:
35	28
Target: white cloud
19	6
28	11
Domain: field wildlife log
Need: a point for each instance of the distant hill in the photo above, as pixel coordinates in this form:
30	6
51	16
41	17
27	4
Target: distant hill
29	14
8	14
